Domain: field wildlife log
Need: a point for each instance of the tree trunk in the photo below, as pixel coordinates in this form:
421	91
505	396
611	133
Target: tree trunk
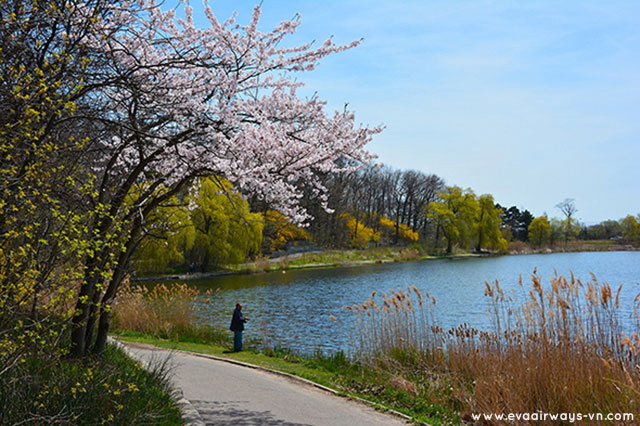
93	267
479	245
91	320
397	236
79	322
108	298
121	266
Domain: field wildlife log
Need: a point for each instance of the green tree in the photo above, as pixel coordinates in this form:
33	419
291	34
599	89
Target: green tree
557	229
225	229
454	214
631	228
516	222
212	226
488	221
540	231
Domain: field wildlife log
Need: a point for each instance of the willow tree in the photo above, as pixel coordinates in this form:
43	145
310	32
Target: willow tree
225	230
631	228
174	103
488	221
212	225
454	214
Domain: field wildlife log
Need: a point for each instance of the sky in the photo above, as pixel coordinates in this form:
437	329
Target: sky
532	102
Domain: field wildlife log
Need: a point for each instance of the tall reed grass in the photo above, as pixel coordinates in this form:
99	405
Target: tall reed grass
166	311
562	350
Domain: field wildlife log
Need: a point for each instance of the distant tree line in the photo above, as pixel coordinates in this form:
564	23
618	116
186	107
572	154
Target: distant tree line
378	198
626	229
370	207
364	204
212	225
380	205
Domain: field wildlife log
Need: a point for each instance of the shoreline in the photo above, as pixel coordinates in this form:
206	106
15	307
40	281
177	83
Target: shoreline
282	263
246	270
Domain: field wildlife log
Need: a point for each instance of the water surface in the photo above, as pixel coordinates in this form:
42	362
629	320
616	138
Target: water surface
292	309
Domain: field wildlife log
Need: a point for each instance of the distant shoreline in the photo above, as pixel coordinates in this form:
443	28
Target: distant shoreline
283	262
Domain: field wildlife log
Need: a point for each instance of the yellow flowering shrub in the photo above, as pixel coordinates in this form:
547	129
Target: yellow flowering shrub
404	231
360	234
278	231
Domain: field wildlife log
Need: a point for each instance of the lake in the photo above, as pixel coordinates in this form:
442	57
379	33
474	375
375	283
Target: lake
292	308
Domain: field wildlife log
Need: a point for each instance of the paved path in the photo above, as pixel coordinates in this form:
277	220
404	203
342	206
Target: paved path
230	395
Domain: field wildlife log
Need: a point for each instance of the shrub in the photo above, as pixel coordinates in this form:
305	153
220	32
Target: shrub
360	234
109	389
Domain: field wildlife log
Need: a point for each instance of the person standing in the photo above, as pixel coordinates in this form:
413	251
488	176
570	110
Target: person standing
237	325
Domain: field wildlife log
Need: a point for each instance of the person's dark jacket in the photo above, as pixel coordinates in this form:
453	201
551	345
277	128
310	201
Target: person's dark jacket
237	321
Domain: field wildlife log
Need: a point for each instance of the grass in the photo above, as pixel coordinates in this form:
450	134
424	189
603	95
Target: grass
106	389
347	257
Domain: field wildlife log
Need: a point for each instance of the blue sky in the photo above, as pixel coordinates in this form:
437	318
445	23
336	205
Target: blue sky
533	102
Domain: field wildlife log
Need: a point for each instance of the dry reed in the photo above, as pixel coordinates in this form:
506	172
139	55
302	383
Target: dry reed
261	264
165	311
560	351
406	254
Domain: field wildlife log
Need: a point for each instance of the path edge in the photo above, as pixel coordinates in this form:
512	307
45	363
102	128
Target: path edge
295	378
190	416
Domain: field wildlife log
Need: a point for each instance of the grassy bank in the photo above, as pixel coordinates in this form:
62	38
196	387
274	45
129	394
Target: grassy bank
561	350
324	259
348	377
519	247
374	255
106	389
379	255
167	317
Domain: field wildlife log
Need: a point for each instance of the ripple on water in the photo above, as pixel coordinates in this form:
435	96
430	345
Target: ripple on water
293	309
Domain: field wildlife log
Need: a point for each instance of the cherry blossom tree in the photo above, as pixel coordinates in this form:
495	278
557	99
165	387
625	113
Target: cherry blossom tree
170	102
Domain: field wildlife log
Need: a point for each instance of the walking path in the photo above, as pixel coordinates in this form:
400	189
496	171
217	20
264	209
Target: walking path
226	394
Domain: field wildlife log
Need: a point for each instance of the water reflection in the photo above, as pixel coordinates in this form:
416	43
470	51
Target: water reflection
292	309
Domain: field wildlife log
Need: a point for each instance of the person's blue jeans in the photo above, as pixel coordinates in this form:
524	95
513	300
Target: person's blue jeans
237	341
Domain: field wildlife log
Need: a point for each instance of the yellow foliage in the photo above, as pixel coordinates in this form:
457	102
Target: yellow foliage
278	230
404	231
42	238
360	234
